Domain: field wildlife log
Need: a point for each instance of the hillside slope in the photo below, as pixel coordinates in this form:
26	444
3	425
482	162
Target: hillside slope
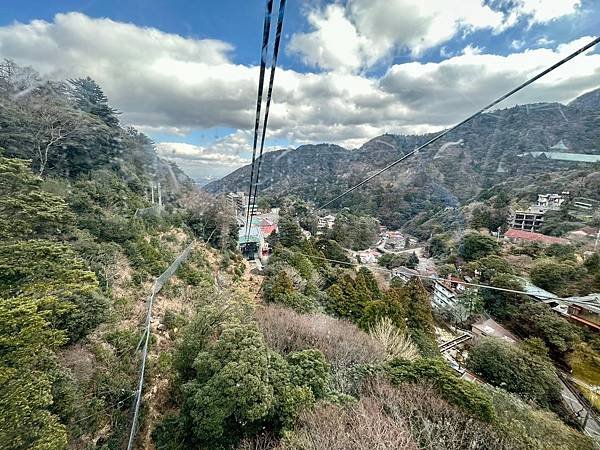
490	149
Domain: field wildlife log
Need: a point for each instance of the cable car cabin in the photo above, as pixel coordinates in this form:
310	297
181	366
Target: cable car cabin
249	250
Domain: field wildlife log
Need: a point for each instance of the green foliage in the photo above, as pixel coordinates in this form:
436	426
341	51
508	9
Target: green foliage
332	250
391	260
309	368
26	342
354	231
538	320
517	369
500	303
90	98
25	209
45	269
437	372
554	276
238	386
290	233
419	319
533	428
474	246
490	266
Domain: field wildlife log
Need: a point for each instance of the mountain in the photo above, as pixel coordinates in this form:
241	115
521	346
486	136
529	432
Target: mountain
589	101
492	149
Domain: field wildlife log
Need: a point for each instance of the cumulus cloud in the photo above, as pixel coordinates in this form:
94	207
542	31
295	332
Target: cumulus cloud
165	83
360	33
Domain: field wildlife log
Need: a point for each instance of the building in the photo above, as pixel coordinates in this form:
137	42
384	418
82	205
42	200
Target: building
446	291
368	256
584	311
528	236
326	223
530	220
552	201
236	200
395	241
491	328
404	273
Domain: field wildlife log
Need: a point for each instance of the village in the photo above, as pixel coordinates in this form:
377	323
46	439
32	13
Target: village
448	292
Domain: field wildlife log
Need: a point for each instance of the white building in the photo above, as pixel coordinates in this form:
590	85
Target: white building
446	292
552	201
326	223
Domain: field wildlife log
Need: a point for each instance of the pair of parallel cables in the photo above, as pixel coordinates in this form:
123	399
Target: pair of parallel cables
256	162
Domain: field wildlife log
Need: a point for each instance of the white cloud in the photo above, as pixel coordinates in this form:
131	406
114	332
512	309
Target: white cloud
472	50
546	10
356	35
517	44
169	84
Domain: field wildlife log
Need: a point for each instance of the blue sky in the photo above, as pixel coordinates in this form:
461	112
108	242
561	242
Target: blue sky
185	72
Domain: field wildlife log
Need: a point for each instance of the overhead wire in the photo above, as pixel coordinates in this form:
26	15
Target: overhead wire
471	117
261	82
431	277
278	30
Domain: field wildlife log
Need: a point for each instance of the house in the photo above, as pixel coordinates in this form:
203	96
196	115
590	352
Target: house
491	328
368	256
446	291
404	273
584	311
529	236
552	201
326	223
531	220
395	241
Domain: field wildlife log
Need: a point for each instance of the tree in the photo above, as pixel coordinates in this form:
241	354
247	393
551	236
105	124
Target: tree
553	276
413	261
53	123
89	98
25	209
419	317
537	320
239	386
474	246
26	344
391	260
290	233
503	304
517	370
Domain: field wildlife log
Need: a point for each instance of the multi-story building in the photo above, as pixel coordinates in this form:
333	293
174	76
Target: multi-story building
447	291
529	220
236	200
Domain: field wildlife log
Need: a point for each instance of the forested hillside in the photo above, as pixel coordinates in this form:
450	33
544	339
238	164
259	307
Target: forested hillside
80	242
481	154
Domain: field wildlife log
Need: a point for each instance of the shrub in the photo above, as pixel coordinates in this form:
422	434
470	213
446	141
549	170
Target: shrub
461	393
362	426
395	341
343	343
309	368
516	370
474	246
533	428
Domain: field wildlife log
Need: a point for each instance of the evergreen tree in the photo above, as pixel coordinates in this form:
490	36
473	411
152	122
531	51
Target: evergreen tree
419	317
290	233
89	98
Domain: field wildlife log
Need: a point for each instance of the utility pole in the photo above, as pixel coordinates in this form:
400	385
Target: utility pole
159	196
152	190
597	239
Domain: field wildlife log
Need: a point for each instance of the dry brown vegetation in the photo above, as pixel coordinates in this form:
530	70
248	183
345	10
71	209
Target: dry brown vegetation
343	343
362	426
409	417
396	342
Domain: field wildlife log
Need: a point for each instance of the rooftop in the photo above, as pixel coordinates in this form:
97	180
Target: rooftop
533	237
492	328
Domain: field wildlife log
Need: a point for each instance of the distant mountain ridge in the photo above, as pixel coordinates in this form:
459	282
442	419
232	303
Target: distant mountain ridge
460	166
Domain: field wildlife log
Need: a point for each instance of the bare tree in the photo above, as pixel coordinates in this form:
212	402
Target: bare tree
54	121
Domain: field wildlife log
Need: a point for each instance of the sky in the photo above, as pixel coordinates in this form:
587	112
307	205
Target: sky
186	72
